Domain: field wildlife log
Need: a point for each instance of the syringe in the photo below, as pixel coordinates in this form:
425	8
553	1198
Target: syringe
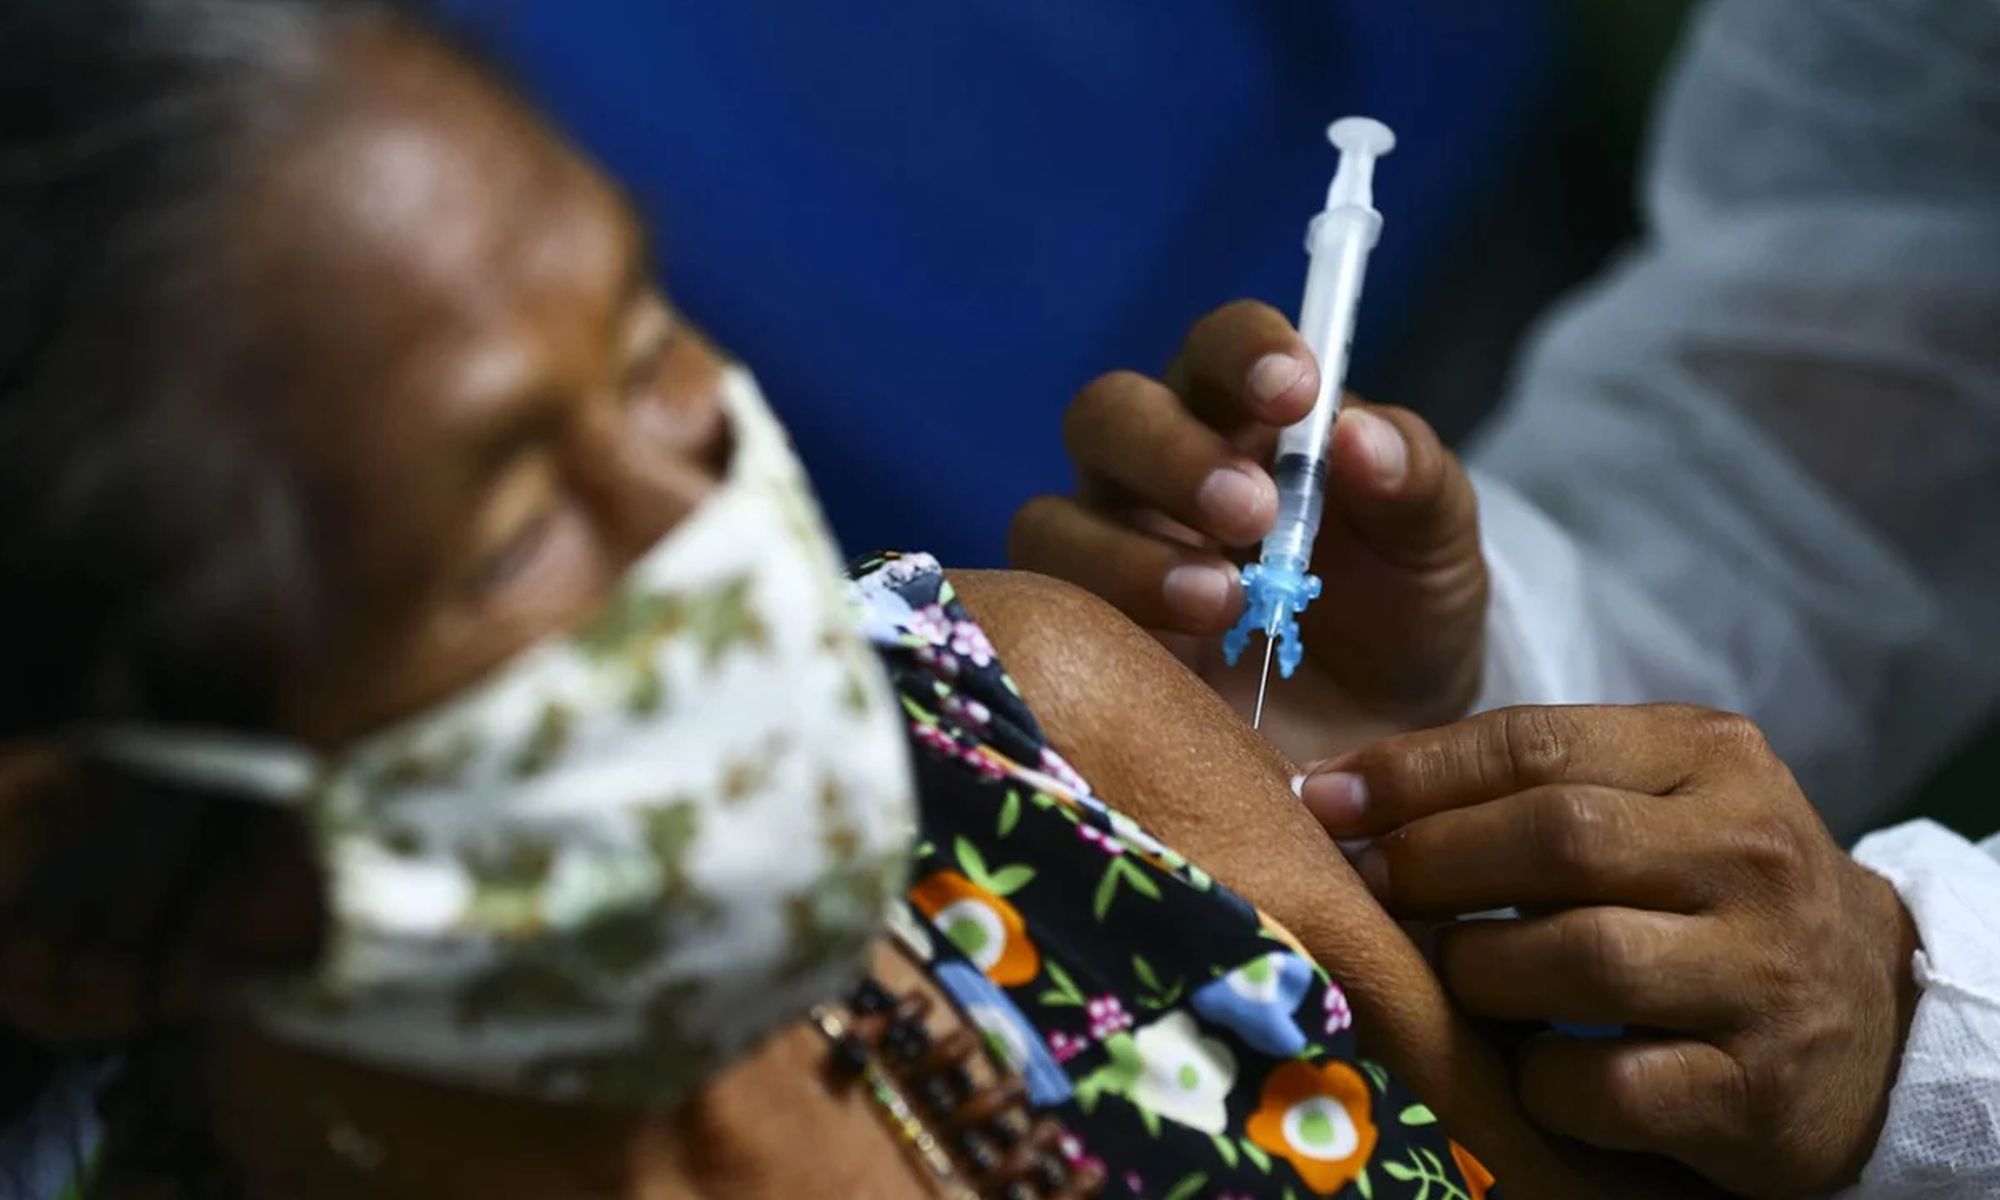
1278	587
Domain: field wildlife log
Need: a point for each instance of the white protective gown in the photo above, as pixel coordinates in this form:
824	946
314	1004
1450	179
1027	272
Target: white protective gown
1757	467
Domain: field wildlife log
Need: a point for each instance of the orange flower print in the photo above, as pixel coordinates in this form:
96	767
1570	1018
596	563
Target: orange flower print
984	926
1477	1178
1316	1118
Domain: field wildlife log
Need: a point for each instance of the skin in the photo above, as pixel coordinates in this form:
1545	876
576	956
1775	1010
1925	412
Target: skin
1173	492
1202	780
1792	990
491	413
491	408
336	1129
1681	885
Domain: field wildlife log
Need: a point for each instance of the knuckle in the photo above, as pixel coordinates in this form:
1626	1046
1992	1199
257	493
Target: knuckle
1764	1090
1221	339
1531	744
1094	413
1632	1085
1208	331
1735	1096
1652	1090
1237	314
1427	768
1733	734
1769	849
1569	830
1611	955
1783	977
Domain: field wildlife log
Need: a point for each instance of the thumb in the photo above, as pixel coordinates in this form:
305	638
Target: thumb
1404	629
1403	494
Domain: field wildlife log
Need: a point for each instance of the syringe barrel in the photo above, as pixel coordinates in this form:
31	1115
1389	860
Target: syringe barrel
1301	484
1339	241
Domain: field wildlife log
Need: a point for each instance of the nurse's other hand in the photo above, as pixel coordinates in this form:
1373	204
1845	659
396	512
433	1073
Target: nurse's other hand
1682	886
1173	487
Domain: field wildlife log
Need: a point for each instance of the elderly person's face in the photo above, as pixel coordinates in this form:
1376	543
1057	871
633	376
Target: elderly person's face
456	344
446	333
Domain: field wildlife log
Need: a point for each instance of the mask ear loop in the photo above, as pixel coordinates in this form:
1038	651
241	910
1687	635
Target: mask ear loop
247	767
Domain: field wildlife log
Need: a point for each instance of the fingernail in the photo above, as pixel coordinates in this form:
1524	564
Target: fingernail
1228	498
1273	375
1388	455
1198	593
1373	867
1337	798
1353	848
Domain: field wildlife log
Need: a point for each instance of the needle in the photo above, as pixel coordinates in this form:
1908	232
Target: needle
1263	681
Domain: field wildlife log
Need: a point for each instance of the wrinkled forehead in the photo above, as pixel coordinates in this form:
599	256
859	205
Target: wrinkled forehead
425	242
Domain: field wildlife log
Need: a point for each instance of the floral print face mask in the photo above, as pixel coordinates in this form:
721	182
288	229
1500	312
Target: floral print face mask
609	870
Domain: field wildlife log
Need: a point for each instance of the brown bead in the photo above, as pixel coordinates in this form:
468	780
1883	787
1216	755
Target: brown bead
914	1006
1085	1183
991	1101
953	1048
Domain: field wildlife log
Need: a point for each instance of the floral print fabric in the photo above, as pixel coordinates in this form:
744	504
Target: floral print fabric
1185	1042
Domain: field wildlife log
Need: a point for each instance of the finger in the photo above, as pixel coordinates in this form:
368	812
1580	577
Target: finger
1548	847
1245	364
1653	749
1596	966
1402	493
1158	583
1136	445
1684	1099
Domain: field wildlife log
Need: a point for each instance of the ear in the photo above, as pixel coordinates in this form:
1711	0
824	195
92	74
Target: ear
124	906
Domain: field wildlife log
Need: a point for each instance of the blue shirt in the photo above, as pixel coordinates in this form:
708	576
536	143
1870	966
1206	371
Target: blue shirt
925	225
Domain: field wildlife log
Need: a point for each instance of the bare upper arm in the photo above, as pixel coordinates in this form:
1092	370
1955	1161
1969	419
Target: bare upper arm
1159	745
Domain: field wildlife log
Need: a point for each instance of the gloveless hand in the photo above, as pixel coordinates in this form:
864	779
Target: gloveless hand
1173	488
1681	885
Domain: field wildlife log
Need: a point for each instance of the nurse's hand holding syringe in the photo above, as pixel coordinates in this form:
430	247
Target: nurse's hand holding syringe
1175	489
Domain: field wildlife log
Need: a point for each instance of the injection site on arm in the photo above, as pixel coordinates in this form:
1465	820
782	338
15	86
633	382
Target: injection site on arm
1278	587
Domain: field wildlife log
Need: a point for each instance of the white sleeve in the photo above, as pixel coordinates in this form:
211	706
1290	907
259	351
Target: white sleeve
1758	467
1561	624
1942	1139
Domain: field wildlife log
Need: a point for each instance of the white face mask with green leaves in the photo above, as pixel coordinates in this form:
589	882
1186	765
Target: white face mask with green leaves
610	869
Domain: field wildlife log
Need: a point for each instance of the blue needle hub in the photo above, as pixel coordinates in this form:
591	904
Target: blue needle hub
1275	593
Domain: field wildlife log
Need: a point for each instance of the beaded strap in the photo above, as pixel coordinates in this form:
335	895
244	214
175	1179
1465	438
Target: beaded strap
992	1147
852	1058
